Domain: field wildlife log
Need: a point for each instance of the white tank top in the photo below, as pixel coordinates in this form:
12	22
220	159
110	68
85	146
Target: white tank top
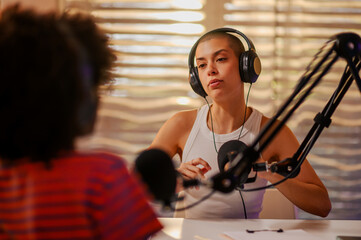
200	144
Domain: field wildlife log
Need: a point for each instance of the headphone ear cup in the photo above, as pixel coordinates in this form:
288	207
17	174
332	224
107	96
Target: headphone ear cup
249	66
195	82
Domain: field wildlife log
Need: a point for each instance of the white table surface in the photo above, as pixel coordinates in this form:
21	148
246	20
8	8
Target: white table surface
192	229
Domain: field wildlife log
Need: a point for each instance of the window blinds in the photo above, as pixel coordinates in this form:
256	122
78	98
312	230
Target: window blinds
152	39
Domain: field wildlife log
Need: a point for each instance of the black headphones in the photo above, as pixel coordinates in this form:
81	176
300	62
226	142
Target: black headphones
249	63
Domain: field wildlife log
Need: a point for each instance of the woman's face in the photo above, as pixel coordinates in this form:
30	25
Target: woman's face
218	68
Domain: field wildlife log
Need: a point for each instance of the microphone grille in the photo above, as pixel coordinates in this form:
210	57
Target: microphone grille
157	171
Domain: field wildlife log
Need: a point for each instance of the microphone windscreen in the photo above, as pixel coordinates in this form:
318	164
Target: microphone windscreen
228	151
158	173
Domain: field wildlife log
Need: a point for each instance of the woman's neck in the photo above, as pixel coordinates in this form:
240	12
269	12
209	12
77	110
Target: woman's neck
227	118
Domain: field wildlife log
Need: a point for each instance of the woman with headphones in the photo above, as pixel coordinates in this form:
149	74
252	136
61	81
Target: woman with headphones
219	67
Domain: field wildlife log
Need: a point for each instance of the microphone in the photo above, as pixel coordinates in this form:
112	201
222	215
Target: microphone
158	173
228	151
244	158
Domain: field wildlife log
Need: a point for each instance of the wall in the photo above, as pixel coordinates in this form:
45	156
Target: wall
40	5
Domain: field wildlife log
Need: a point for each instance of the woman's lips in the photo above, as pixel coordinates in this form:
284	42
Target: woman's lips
214	83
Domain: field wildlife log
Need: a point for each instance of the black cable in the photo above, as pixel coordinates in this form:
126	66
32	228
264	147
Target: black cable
210	114
214	142
245	112
244	206
244	118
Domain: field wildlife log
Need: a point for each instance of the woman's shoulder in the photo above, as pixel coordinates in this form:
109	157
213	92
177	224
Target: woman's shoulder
172	135
184	118
186	114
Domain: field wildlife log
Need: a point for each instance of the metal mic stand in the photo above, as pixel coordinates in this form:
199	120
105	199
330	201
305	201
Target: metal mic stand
345	45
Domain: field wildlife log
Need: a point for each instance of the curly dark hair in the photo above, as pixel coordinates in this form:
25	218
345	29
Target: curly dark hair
51	66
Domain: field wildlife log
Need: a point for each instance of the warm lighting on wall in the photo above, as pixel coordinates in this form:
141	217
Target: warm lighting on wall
180	16
185	16
189	4
183	100
183	28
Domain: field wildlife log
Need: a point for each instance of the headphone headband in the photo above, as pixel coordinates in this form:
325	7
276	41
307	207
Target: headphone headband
226	30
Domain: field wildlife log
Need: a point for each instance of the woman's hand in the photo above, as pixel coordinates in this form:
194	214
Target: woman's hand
194	169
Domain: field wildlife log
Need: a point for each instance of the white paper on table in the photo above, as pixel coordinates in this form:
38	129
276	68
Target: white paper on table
297	234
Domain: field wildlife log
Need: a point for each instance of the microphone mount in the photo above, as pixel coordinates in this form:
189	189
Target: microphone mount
344	45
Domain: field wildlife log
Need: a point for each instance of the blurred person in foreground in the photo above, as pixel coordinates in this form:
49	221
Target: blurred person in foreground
50	69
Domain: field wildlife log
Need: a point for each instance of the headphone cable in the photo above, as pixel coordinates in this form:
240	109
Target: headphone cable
244	118
244	205
245	111
214	139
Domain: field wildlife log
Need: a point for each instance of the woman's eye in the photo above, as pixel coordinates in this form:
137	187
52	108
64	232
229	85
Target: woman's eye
201	65
221	59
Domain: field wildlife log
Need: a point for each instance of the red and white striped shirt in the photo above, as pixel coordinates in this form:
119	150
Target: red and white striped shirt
81	196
